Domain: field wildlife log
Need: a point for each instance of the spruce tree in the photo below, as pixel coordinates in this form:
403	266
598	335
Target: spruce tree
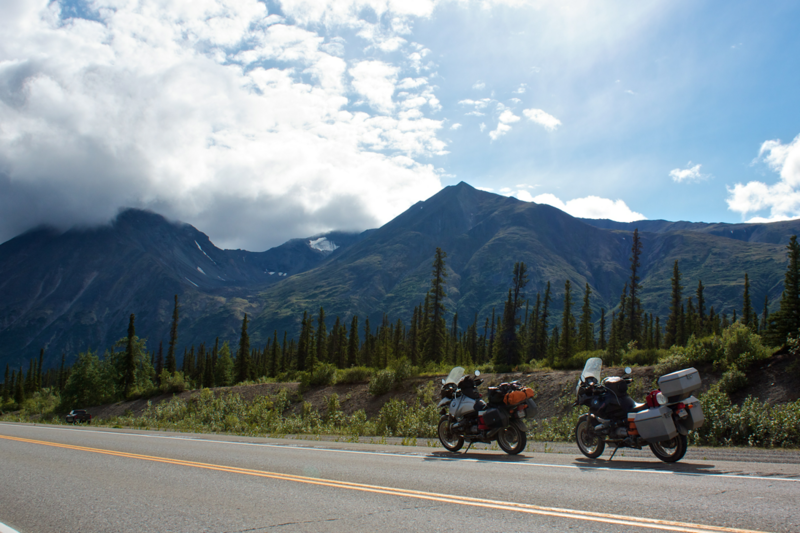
748	315
506	349
602	340
787	320
634	305
585	337
129	364
242	363
322	337
543	325
567	324
765	314
352	343
173	340
701	328
673	320
437	328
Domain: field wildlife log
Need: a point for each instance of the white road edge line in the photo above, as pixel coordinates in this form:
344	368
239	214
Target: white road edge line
5	529
419	456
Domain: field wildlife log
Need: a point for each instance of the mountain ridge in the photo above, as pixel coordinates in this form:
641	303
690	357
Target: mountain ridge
74	290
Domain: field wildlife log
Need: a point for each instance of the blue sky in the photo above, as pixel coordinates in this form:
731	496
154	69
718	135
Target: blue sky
259	122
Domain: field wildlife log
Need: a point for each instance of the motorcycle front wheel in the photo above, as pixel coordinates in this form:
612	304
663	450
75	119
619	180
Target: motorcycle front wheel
589	444
671	451
449	440
513	438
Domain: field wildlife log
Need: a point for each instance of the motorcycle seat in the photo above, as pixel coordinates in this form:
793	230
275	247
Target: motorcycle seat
638	407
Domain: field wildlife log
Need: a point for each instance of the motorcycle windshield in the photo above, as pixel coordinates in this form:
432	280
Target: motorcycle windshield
592	369
455	375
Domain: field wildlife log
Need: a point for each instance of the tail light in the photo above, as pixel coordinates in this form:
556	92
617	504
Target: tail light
481	424
651	398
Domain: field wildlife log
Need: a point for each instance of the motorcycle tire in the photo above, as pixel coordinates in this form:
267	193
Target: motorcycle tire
590	445
513	438
671	451
449	440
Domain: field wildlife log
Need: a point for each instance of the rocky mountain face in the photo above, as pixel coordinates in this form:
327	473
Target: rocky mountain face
74	291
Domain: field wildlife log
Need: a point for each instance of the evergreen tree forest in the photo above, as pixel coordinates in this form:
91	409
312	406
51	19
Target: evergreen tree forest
524	334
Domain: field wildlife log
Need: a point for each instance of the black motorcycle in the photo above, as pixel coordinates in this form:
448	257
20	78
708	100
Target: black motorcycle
662	422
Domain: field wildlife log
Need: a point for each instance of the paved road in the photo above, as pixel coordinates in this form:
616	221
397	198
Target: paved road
85	479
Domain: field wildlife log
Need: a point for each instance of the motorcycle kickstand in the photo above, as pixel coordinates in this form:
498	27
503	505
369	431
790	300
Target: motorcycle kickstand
468	447
615	453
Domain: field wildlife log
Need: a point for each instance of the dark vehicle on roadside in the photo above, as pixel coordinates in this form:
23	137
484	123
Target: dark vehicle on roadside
78	416
663	422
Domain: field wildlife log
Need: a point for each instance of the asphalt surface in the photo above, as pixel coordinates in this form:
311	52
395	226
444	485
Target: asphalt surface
55	478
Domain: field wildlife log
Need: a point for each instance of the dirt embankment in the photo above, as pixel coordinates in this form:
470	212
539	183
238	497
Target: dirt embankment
771	381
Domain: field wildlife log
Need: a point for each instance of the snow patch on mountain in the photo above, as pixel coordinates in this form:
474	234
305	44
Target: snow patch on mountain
323	245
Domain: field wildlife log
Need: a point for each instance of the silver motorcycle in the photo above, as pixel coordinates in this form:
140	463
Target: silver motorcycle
466	417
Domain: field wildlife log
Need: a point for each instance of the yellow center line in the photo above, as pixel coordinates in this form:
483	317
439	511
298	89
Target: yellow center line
667	525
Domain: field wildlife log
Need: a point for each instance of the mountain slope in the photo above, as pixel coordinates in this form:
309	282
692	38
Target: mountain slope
74	291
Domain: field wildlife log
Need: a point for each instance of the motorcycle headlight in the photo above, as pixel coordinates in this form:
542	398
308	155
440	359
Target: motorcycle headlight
661	399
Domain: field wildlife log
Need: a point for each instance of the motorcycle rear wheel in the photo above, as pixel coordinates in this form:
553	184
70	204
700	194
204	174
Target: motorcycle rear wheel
449	440
513	438
671	451
590	445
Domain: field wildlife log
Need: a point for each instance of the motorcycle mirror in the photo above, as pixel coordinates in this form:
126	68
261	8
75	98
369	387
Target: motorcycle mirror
477	373
627	370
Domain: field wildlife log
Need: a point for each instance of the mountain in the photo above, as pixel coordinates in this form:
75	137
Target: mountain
484	234
75	290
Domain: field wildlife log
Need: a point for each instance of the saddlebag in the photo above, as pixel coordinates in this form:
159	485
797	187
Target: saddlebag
518	396
656	424
679	385
493	418
695	411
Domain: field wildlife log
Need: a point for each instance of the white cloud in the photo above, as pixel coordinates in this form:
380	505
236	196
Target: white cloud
782	198
503	126
482	126
687	174
479	85
549	122
455	126
588	207
202	109
375	80
521	89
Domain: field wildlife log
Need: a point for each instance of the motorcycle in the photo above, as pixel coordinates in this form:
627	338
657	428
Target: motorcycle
466	417
662	422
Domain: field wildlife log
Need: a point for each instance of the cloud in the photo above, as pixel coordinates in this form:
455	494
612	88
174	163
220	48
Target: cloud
588	207
782	199
503	126
479	85
521	89
688	174
455	126
375	80
482	126
538	116
217	113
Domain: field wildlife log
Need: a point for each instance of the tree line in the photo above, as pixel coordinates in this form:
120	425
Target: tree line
523	333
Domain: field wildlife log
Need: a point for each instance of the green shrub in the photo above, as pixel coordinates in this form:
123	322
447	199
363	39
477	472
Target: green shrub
646	357
382	382
732	380
323	374
403	370
741	347
356	374
172	382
